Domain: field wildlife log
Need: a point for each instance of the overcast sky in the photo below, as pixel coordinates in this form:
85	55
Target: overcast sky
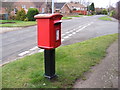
98	3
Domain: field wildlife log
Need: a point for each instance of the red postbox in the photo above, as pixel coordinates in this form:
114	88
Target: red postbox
49	30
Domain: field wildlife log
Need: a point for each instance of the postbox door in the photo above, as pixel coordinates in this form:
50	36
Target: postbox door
57	27
57	31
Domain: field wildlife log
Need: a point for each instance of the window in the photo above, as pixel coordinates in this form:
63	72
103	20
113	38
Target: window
15	10
31	7
24	6
43	10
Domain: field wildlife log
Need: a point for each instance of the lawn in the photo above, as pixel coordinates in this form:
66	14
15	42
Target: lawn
70	17
72	61
77	16
17	23
106	18
63	18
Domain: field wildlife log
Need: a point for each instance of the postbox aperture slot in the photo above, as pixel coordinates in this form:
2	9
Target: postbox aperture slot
57	22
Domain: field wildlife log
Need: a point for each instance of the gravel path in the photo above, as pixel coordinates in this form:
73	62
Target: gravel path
105	74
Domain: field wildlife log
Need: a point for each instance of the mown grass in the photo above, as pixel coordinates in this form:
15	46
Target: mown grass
89	15
106	18
70	17
71	63
17	23
77	16
63	18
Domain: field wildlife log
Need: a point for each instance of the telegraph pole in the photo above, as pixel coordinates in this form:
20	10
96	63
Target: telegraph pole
109	7
52	6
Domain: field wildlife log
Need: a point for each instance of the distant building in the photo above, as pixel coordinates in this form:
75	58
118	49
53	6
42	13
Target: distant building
18	4
12	6
58	7
74	7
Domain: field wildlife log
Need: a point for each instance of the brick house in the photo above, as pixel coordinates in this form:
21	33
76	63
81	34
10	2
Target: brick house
58	7
74	7
18	4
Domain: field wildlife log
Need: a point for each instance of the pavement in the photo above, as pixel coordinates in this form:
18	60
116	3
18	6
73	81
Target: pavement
8	29
105	74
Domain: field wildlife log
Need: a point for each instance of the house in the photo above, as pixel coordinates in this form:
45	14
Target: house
18	4
98	10
65	8
74	7
58	7
11	6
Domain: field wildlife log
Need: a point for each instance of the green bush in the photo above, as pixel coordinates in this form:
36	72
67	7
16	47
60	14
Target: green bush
104	11
31	13
21	15
26	19
112	13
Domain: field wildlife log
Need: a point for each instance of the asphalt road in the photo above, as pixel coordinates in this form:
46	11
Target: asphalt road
75	30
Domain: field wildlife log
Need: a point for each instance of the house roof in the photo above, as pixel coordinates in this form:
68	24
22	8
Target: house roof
59	5
76	5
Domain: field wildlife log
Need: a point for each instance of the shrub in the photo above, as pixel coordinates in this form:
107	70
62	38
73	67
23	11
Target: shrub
104	11
31	13
112	13
74	9
12	17
21	15
26	19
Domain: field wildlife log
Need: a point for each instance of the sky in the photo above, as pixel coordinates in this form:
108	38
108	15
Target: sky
97	3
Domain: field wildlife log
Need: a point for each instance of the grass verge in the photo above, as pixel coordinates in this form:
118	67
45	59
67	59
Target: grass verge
106	18
17	23
64	18
71	63
77	16
70	17
89	15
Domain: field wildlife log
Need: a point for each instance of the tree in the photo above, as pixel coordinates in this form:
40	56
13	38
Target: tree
92	8
31	13
21	15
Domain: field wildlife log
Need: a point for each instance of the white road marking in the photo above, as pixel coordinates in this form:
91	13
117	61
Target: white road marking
66	37
68	32
69	35
34	48
63	34
62	40
72	31
23	53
